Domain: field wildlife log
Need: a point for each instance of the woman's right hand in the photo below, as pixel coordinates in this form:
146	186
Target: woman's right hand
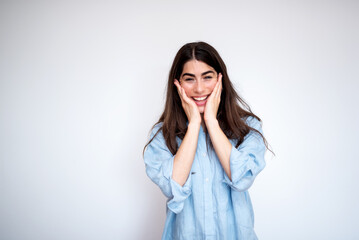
189	106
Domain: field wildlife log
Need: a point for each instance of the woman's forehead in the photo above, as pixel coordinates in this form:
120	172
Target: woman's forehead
196	67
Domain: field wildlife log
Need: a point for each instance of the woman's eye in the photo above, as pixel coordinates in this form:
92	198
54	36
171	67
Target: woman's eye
189	79
208	77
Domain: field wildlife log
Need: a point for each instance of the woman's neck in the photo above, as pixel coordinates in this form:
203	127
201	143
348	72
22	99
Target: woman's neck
203	124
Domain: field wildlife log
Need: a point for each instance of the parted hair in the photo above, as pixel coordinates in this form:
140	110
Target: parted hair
232	111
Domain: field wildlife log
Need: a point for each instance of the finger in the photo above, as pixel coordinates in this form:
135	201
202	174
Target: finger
181	92
178	86
219	90
176	82
215	89
185	97
212	95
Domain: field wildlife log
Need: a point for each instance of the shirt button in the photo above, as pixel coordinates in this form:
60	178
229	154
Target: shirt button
206	179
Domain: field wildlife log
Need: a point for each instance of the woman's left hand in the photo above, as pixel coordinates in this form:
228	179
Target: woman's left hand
211	109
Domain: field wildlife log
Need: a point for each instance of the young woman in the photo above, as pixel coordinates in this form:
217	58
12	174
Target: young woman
205	150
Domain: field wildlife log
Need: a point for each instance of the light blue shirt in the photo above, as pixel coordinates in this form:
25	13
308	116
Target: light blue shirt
209	205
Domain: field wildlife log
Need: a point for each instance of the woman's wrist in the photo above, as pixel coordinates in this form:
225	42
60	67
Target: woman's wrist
211	122
194	123
195	120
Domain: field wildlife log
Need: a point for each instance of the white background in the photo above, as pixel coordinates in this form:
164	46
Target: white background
81	84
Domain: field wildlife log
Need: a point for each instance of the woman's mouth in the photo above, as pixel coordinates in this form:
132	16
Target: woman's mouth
200	101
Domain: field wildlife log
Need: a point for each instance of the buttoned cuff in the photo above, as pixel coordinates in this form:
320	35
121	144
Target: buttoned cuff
240	166
179	193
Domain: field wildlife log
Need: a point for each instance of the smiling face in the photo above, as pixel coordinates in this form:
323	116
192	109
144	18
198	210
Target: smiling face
198	80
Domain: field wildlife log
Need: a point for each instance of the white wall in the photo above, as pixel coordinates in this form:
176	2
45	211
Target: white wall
82	83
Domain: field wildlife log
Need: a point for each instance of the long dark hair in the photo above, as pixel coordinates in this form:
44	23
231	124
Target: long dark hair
231	116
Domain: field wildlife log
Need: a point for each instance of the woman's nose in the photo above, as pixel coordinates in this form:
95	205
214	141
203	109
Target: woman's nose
199	86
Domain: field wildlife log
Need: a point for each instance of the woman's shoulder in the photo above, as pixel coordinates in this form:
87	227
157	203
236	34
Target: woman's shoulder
156	129
157	133
251	119
253	122
157	126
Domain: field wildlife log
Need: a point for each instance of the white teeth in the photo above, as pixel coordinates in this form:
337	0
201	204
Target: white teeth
201	98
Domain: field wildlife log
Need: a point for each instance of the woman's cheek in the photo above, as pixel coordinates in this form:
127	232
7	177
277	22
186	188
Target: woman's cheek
186	90
212	87
213	84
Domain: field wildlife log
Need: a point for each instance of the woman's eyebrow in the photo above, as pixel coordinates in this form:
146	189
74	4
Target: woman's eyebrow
188	74
192	75
210	71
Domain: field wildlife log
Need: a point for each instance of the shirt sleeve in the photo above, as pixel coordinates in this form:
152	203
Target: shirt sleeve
247	161
159	166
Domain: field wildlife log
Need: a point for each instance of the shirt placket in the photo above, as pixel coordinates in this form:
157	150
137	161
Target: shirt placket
207	188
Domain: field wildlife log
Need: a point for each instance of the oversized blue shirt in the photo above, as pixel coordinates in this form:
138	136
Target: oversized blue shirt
209	205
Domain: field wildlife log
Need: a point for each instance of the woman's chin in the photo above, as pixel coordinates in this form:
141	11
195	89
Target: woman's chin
201	109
